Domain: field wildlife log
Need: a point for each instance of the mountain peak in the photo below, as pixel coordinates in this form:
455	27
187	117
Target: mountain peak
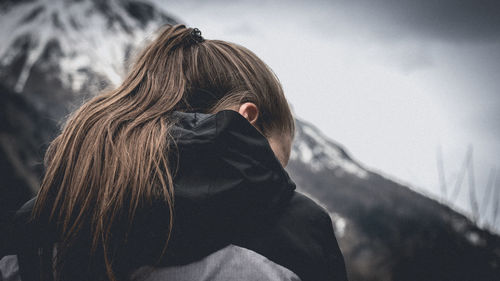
72	38
313	148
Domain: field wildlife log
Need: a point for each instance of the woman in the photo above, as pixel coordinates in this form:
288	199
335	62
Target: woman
177	174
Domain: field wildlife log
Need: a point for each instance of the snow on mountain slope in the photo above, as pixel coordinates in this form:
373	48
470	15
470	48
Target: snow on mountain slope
312	147
81	45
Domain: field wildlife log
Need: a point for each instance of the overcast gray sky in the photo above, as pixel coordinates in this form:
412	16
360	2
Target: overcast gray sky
389	79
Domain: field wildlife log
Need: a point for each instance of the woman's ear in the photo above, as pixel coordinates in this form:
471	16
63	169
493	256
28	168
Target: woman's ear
250	111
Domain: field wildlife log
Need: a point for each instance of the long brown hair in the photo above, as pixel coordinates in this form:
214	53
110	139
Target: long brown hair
113	156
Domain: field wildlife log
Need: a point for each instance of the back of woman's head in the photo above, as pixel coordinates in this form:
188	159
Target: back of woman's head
112	156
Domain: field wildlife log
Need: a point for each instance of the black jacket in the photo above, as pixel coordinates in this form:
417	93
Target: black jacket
229	189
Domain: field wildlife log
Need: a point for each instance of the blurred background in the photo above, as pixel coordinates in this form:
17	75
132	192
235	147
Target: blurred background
397	106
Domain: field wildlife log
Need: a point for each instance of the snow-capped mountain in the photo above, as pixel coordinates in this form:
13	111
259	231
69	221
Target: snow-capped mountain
70	48
56	53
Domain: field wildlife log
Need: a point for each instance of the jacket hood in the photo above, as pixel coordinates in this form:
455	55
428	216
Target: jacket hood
224	163
226	178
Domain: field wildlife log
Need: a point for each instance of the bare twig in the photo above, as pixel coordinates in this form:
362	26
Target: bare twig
472	189
460	178
496	198
442	178
487	192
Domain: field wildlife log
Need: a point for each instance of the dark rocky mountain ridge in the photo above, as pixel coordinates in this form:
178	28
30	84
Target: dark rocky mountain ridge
388	231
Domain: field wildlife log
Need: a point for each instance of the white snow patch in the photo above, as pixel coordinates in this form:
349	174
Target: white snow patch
339	223
322	153
475	238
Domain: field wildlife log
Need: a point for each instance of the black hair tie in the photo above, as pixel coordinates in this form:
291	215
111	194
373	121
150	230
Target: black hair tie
196	35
